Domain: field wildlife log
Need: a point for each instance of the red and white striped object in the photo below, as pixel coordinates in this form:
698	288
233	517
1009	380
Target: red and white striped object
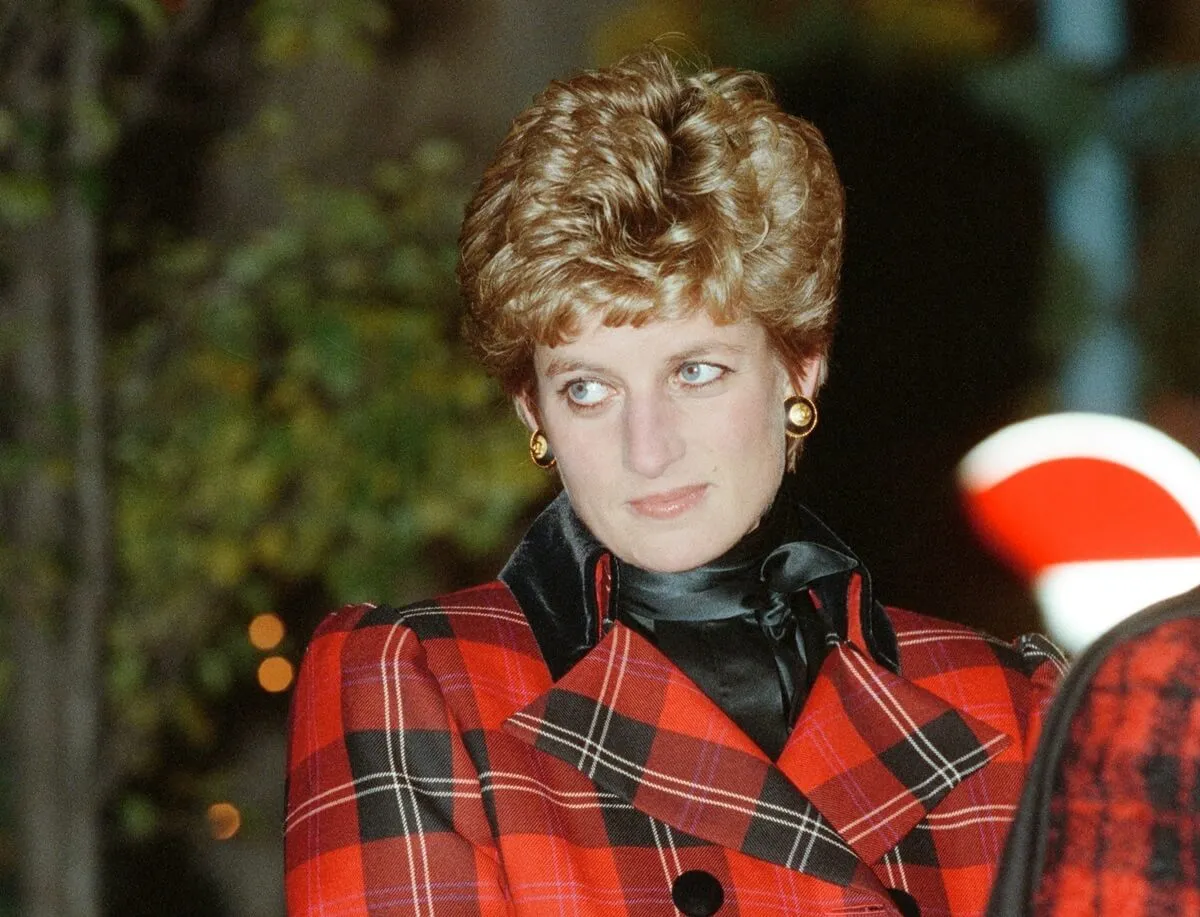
1101	514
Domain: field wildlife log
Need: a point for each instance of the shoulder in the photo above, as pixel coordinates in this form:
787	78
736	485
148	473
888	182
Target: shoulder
464	614
930	647
1007	685
476	636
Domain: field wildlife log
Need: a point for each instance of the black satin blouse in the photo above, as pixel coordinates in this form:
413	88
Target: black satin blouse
742	626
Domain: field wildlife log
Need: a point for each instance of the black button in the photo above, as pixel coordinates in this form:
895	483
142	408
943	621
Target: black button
697	893
906	902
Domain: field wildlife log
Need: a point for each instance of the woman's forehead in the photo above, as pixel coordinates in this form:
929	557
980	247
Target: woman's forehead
598	344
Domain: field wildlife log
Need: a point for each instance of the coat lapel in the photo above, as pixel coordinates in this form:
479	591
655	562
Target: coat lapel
871	754
875	752
630	721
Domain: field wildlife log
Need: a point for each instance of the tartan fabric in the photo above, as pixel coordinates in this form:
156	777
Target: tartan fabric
436	769
1124	818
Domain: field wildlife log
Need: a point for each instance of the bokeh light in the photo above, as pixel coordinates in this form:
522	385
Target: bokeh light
266	631
224	820
275	674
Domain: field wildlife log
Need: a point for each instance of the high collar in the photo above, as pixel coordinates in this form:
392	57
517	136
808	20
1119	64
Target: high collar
568	586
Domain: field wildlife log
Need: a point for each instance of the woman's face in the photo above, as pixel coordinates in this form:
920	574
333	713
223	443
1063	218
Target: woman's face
669	437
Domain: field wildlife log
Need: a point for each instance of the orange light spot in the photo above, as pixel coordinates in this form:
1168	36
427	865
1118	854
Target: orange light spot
266	631
224	820
275	674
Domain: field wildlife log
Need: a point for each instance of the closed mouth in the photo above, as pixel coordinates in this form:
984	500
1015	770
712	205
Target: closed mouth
669	503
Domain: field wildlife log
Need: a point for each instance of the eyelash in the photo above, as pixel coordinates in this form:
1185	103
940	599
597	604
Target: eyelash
564	390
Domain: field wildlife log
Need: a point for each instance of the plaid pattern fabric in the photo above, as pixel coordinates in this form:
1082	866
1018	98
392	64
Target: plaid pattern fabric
1124	818
436	769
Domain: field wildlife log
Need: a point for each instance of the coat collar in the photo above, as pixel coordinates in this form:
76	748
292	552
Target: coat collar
554	575
870	755
564	581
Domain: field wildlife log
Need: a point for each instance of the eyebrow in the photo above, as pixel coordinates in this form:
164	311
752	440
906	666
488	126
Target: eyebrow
560	365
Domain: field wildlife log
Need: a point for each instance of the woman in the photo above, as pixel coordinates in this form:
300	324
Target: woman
680	696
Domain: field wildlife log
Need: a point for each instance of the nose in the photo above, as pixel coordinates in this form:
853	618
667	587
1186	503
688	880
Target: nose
653	433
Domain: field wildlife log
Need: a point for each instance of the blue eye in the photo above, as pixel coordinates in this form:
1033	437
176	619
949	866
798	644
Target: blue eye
700	373
586	392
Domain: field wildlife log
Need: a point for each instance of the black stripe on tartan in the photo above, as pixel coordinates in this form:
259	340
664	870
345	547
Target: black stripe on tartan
625	826
385	795
475	741
917	848
578	730
1164	865
1161	777
1160	770
426	619
935	758
786	828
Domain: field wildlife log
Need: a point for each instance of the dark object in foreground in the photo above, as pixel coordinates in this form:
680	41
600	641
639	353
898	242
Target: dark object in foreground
1110	817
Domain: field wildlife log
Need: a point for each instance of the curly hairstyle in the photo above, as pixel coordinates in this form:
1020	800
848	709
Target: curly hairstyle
637	192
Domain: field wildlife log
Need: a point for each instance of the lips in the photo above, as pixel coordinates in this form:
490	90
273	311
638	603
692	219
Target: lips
669	503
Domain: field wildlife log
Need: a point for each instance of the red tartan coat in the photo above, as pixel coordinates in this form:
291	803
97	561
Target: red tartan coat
437	768
1109	824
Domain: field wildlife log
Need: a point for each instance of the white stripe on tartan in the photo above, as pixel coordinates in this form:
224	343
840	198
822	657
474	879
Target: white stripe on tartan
664	848
899	716
801	834
666	783
894	864
364	785
970	815
607	709
328	799
1026	650
420	855
926	634
511	782
908	798
937	635
489	782
467	611
918	741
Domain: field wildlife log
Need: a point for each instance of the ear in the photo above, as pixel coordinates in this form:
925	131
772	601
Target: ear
526	409
808	377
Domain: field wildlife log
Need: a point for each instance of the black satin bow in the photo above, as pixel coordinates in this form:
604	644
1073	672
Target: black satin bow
741	627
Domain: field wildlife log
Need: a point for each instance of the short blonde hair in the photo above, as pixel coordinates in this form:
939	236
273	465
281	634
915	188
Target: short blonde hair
637	192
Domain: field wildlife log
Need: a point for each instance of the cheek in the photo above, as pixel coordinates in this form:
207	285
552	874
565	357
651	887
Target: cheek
752	430
586	458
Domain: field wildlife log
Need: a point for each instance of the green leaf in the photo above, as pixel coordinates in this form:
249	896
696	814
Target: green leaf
138	816
8	130
151	15
95	131
24	199
215	672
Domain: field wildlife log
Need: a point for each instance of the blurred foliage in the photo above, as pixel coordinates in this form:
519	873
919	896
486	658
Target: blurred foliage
289	404
299	411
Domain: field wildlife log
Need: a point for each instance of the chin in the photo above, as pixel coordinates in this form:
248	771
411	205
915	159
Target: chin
674	555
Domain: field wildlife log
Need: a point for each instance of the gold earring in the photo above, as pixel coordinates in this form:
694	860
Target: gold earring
539	450
801	416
